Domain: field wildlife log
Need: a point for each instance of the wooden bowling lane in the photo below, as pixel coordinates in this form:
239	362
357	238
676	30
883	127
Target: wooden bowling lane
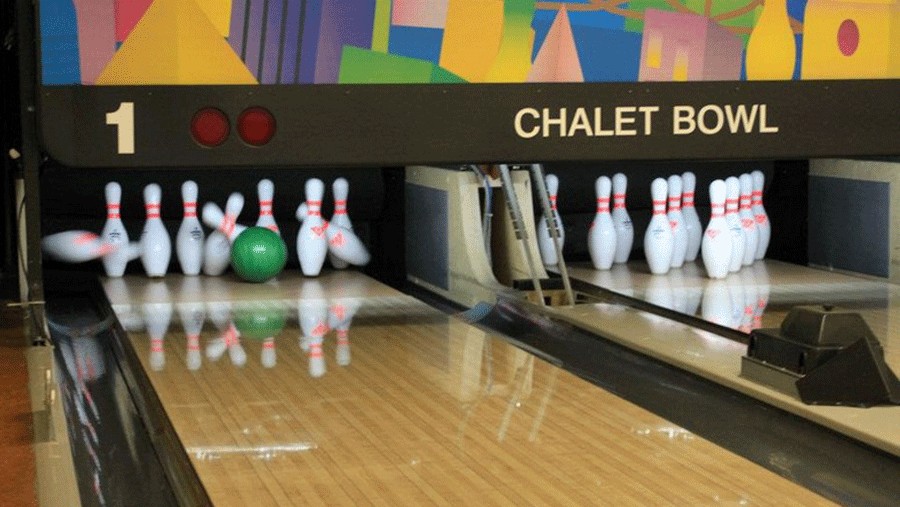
757	296
406	405
719	359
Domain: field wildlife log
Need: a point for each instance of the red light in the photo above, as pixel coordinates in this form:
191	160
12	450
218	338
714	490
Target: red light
210	127
256	126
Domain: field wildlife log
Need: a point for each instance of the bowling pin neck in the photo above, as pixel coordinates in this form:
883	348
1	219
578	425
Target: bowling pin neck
152	210
619	200
112	211
313	208
687	200
229	222
553	202
659	207
756	197
340	206
731	205
745	201
265	207
718	210
190	209
603	205
675	203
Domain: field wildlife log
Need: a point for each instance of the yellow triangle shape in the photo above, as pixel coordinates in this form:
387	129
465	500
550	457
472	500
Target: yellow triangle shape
176	44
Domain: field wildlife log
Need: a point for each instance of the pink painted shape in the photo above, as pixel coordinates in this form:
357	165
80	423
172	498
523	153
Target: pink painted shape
848	37
128	13
420	13
713	52
557	60
96	36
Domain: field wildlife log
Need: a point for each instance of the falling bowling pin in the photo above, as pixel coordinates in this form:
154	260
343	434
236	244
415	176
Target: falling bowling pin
312	241
226	222
76	246
691	219
114	232
216	254
716	246
265	190
189	240
602	235
759	214
545	241
156	246
340	189
738	236
748	221
659	241
676	220
343	244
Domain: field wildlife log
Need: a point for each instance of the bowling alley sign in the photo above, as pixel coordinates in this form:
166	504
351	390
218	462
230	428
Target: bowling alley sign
470	80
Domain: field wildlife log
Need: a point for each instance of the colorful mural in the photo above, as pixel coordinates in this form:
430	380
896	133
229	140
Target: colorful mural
181	42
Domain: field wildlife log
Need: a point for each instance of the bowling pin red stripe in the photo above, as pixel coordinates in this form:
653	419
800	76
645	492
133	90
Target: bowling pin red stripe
552	202
314	208
156	345
619	200
757	196
268	345
745	202
659	207
718	210
602	204
343	336
687	200
674	203
112	211
152	210
87	237
228	225
315	351
731	204
190	209
340	207
193	342
265	208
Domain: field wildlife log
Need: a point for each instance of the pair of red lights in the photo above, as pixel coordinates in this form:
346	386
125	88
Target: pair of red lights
210	126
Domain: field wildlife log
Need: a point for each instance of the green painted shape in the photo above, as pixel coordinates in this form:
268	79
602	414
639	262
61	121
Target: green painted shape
364	66
382	27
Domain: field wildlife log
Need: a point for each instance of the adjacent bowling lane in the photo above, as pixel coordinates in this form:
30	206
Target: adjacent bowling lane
347	392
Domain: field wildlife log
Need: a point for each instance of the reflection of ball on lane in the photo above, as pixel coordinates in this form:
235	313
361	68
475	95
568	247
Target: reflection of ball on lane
258	254
258	322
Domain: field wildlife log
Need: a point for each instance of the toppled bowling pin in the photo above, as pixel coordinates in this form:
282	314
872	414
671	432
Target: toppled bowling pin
265	190
76	246
226	222
216	254
602	236
189	240
156	245
114	232
716	244
659	241
343	244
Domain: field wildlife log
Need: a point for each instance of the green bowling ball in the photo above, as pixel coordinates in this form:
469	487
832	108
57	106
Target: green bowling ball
258	254
258	322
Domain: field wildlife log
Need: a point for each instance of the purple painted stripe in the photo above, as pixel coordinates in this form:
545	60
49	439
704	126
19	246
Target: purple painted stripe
291	42
236	30
254	35
310	41
272	45
344	23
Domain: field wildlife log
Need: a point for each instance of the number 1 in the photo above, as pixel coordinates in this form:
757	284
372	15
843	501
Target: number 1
123	119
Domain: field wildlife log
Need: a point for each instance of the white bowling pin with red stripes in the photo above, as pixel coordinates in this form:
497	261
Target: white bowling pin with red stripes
265	190
226	222
216	254
76	246
748	221
156	245
312	241
760	215
716	245
621	219
602	235
676	220
545	241
114	232
659	241
738	236
691	219
189	240
340	189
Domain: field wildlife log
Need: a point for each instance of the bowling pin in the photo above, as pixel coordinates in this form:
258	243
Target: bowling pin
236	351
192	312
216	254
602	235
157	311
114	232
156	246
265	189
738	236
748	221
226	222
343	244
659	241
340	189
189	240
312	314
716	245
545	241
759	214
621	219
676	220
312	242
691	219
267	356
76	246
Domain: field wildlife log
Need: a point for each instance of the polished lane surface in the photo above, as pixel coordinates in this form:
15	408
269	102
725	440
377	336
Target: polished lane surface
340	390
